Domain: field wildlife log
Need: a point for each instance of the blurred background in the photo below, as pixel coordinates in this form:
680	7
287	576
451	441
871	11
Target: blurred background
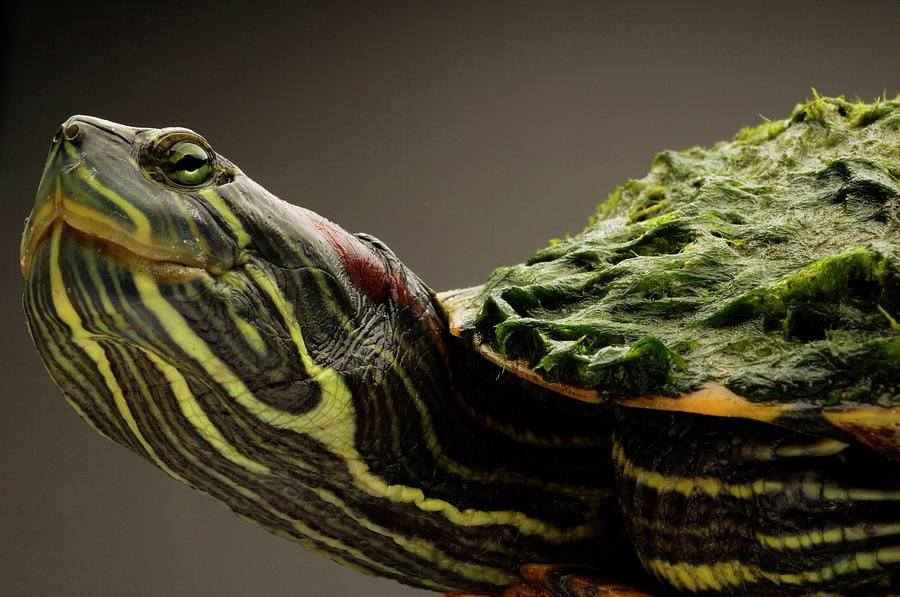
463	135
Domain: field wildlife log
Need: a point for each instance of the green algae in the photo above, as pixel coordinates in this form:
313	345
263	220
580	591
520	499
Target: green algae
769	263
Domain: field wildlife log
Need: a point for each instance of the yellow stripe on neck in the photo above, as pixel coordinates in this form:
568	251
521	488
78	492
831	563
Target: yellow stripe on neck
195	415
331	423
340	431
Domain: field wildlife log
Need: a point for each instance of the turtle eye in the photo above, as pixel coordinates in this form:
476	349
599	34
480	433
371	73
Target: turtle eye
177	157
186	163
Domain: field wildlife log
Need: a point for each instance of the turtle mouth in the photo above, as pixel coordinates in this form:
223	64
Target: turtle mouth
126	259
99	232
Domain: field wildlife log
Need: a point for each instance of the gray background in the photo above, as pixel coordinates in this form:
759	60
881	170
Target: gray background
463	135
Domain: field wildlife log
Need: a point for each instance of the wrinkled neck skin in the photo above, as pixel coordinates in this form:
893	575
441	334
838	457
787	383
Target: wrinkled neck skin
309	383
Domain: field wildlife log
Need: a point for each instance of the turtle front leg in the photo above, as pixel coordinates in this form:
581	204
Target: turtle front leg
564	580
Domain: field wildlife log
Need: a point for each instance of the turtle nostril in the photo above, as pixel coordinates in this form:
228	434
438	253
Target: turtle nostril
59	133
72	132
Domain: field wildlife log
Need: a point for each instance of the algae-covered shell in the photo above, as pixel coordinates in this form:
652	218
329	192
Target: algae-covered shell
757	279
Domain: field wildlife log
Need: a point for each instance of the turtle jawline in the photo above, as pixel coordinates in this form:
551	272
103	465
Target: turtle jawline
128	260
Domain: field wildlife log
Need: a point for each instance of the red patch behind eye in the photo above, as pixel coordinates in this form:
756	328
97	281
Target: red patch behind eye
370	272
374	276
367	269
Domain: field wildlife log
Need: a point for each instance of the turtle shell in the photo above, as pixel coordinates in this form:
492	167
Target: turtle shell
758	279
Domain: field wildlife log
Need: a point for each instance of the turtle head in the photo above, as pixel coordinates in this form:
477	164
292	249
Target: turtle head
149	256
244	345
135	189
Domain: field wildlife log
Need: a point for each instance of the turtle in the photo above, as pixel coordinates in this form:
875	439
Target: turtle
698	394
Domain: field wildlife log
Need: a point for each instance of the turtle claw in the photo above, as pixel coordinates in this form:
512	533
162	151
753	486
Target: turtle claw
567	580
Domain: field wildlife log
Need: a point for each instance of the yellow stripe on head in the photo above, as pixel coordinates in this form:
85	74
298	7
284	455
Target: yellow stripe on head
84	340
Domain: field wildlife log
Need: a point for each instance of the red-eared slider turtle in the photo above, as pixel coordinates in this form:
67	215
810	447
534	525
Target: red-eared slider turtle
698	394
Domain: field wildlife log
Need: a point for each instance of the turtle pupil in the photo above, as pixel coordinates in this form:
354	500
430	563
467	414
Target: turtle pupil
190	163
187	163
